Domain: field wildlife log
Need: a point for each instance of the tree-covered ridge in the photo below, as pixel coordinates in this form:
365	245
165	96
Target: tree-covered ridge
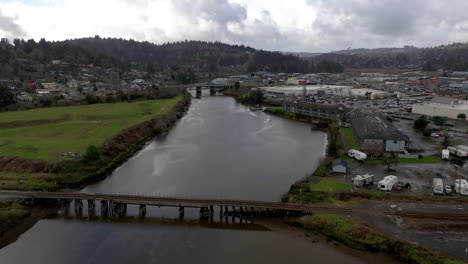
28	59
449	57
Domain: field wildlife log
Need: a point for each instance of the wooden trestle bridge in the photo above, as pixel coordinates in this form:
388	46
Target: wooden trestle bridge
116	204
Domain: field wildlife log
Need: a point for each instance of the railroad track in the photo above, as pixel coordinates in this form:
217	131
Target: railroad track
438	216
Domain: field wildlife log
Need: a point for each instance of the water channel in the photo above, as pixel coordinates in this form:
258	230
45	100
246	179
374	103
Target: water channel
220	149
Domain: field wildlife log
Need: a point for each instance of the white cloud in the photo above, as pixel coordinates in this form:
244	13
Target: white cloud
293	25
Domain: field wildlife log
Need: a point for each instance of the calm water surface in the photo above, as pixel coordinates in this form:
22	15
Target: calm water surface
220	149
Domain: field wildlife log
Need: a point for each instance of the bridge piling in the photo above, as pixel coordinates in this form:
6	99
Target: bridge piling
65	204
78	207
181	212
91	208
104	208
142	210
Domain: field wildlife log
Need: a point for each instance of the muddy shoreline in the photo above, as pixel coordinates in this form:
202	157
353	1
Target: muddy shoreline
37	213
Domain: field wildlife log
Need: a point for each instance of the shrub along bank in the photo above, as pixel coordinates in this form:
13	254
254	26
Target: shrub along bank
11	214
77	173
362	237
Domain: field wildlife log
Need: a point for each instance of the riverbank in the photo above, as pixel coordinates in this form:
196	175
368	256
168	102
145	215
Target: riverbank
318	123
73	174
33	174
359	236
20	223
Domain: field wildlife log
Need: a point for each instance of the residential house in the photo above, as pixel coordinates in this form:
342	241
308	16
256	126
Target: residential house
48	85
24	97
72	83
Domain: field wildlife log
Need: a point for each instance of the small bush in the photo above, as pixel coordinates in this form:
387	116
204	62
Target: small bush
92	153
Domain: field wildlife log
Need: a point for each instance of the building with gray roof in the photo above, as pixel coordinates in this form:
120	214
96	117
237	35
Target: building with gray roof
376	134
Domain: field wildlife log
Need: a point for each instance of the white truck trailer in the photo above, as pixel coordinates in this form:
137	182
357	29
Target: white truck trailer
438	186
357	154
461	186
363	180
387	183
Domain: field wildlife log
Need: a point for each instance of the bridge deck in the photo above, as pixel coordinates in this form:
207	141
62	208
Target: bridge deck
172	201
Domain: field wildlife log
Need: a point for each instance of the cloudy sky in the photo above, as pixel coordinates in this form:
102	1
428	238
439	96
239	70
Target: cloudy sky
286	25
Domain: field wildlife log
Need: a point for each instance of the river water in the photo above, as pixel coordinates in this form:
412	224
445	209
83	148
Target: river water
220	149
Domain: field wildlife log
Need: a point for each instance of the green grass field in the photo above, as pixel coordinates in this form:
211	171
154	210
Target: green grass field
330	185
428	159
352	142
47	133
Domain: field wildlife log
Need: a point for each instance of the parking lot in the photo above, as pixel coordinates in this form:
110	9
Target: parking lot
419	176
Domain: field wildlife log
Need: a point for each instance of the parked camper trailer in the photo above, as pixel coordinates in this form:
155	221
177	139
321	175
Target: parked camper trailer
357	154
460	151
445	154
452	150
363	180
461	186
438	186
387	183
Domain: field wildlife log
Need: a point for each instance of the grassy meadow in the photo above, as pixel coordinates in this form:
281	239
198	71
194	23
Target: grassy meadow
47	133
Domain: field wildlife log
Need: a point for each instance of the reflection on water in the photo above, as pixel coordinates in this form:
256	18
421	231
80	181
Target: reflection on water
221	149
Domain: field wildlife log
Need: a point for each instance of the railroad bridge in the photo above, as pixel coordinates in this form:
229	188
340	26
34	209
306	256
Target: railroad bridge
213	87
116	204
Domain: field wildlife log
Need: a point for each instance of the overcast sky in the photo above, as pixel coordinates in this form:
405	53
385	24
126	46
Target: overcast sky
285	25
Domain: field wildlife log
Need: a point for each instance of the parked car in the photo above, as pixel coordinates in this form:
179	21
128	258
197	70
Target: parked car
399	187
434	135
447	189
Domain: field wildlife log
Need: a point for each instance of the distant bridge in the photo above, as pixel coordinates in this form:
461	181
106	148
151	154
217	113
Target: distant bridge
213	87
116	204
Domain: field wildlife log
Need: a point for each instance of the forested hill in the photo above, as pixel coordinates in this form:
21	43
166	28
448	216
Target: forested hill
201	56
26	59
449	57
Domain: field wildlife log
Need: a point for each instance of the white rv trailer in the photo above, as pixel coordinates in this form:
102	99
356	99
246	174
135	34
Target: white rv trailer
357	154
387	183
461	186
438	186
460	151
363	180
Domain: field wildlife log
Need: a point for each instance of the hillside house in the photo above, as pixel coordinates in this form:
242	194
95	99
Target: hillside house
48	85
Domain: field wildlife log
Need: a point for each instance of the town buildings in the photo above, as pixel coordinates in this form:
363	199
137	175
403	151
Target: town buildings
442	106
334	112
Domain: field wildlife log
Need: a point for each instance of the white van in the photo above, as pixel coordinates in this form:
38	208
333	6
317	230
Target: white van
387	183
357	154
461	186
438	186
445	154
